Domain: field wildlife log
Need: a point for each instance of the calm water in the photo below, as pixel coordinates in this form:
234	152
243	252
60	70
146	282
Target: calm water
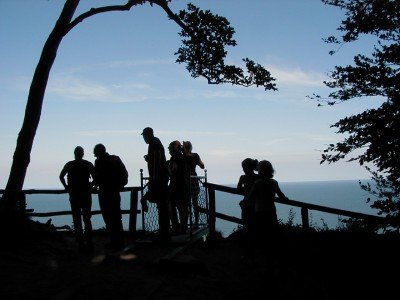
345	195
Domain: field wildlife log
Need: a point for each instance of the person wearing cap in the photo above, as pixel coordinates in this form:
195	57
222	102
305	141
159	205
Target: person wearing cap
79	185
158	181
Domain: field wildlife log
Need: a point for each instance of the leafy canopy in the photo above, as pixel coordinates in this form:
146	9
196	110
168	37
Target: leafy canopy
374	133
205	37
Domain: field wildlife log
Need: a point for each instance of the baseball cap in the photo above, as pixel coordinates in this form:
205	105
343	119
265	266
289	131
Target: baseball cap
147	130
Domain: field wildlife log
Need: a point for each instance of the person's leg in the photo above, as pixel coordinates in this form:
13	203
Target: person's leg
249	234
76	218
172	205
195	191
116	228
104	207
163	212
87	214
184	201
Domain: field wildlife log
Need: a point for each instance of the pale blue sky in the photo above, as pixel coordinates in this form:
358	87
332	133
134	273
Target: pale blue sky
115	74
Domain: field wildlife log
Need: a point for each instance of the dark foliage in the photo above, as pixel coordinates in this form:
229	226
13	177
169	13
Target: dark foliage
372	136
204	41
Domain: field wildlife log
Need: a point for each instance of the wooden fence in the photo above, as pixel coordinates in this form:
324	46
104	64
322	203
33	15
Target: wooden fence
210	208
305	208
133	211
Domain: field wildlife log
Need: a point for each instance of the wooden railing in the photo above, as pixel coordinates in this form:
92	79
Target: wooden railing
133	202
305	208
210	210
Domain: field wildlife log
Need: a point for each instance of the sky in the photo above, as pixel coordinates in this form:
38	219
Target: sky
115	73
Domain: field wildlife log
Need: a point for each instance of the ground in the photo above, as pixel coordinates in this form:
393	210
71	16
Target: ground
45	264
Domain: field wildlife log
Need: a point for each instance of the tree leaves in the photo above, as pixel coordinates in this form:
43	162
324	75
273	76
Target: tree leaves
373	134
205	37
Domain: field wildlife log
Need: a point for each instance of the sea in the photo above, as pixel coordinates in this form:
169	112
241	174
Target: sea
341	194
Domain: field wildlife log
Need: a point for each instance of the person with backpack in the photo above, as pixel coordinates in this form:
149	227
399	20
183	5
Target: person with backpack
110	177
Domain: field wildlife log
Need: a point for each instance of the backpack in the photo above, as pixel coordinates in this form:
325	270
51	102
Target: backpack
120	172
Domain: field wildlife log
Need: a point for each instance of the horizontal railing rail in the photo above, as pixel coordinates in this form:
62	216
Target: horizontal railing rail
63	191
305	207
210	210
133	211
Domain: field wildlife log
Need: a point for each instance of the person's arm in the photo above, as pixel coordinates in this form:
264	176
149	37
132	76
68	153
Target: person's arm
92	175
95	175
240	183
280	194
62	177
157	164
200	162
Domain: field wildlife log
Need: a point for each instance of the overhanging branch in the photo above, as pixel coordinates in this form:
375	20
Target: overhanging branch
99	10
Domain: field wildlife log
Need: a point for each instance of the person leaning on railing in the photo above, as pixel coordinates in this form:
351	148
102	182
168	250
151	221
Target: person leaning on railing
261	199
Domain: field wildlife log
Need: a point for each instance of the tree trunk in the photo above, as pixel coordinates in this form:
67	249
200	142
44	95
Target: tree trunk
33	108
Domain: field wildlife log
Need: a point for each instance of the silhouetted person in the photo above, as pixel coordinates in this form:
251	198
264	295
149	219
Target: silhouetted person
245	183
261	198
178	189
158	181
107	169
79	185
192	160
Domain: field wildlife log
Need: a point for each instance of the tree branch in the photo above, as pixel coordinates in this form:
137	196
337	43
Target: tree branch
164	5
99	10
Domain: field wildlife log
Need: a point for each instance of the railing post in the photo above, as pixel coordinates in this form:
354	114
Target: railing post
211	217
190	205
22	202
141	196
133	212
304	218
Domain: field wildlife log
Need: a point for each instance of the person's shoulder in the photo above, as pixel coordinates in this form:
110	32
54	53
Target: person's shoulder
155	142
274	181
88	163
115	158
68	164
155	139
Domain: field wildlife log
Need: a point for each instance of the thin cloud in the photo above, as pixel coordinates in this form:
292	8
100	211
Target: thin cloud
296	76
120	64
81	90
97	133
108	132
236	153
276	141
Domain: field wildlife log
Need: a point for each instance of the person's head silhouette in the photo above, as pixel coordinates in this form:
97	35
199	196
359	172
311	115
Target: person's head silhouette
78	152
265	169
249	165
187	146
147	133
174	147
99	150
